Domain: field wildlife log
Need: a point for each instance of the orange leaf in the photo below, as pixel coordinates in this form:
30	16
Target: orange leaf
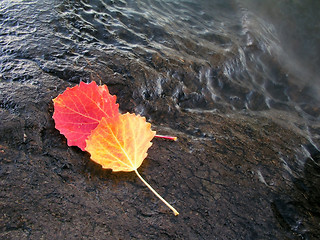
89	118
79	110
120	143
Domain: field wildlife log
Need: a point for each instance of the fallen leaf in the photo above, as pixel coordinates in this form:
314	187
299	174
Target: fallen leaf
121	144
79	110
88	116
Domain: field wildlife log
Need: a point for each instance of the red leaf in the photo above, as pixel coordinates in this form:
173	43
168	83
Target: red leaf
89	118
79	110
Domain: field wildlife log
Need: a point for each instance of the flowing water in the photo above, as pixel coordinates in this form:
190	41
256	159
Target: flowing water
230	56
256	58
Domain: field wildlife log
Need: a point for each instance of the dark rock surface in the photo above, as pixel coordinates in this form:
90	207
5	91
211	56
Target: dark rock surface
223	175
245	165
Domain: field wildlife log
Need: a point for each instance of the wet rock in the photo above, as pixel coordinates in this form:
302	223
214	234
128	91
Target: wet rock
223	175
232	174
256	101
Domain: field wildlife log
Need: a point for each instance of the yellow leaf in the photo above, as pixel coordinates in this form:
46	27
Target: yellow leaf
121	143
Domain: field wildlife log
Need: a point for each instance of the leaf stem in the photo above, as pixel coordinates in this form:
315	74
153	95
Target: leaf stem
167	137
157	194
